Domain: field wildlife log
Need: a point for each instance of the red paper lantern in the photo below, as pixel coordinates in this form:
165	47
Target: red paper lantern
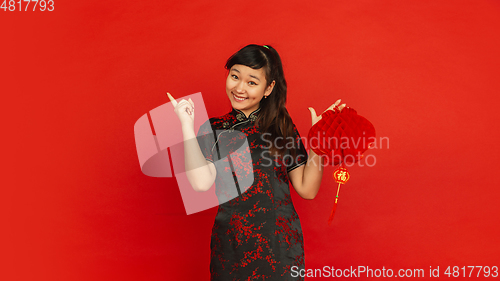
340	138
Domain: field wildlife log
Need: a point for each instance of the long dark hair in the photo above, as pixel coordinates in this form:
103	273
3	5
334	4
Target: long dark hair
274	120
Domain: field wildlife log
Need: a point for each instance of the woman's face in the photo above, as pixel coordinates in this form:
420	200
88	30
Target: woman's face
246	86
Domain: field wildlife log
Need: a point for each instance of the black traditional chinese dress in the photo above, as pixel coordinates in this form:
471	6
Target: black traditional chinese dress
256	233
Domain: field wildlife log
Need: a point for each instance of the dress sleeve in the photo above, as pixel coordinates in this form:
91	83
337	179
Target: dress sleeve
300	157
206	140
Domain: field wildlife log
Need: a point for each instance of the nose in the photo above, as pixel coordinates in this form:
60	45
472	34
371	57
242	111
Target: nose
240	87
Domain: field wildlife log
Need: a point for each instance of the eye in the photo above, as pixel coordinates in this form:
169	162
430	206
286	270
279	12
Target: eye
252	83
234	76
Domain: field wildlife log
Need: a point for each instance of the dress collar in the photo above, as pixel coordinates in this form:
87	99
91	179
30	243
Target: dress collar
240	116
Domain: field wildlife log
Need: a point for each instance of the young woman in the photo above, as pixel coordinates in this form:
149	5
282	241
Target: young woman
257	233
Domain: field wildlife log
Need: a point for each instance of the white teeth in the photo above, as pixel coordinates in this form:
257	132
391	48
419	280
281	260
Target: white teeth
240	99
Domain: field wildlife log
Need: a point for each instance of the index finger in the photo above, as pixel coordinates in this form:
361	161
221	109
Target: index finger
332	106
174	102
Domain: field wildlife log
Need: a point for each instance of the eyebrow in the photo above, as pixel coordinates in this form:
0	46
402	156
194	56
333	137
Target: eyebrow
253	76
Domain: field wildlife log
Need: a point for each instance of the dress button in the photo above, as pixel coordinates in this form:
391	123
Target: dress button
240	116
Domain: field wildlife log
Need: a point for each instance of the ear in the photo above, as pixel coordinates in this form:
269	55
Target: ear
269	89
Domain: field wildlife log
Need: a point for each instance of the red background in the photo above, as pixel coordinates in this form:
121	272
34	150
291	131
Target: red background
75	205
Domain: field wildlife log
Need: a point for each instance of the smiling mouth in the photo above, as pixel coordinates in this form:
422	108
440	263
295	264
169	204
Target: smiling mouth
238	98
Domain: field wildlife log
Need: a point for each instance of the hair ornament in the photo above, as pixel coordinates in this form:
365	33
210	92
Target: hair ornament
265	46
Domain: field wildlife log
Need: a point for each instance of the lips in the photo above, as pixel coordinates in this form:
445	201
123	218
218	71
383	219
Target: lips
237	98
